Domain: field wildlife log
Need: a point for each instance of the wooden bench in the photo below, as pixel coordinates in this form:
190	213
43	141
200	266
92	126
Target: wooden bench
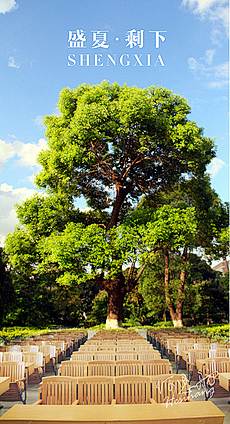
129	367
104	355
224	380
82	356
12	356
99	368
94	390
17	390
126	355
132	389
156	367
145	355
193	355
210	373
218	353
30	348
57	390
4	384
39	365
73	368
52	352
170	388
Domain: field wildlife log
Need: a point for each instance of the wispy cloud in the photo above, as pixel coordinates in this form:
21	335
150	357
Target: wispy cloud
217	11
12	63
25	154
38	121
215	76
215	166
7	6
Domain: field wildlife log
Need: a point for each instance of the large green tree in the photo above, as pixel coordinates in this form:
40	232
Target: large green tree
112	145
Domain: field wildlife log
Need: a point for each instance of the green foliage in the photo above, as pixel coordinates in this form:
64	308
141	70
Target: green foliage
214	331
98	313
107	131
11	333
203	287
163	324
82	252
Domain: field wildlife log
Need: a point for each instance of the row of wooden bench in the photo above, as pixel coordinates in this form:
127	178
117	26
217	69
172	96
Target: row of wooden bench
97	390
113	368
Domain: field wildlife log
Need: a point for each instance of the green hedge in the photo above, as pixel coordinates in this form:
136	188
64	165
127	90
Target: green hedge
214	330
12	333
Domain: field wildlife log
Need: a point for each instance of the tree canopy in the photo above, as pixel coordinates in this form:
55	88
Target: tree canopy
113	144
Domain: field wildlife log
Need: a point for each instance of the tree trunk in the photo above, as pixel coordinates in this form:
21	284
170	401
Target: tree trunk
177	323
116	292
175	315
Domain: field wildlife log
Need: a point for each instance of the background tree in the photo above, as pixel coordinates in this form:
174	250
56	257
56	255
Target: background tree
7	291
174	232
202	287
112	145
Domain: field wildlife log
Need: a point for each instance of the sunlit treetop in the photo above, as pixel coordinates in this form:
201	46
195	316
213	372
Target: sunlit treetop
114	143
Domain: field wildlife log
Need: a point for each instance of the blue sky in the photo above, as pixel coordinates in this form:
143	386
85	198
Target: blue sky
118	40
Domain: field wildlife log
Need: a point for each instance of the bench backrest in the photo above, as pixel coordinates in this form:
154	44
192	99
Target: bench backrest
170	388
36	357
15	370
156	367
73	368
122	348
132	389
12	356
146	355
183	347
30	348
126	355
58	390
129	367
218	353
194	354
99	368
218	365
48	350
143	347
59	344
14	348
94	390
201	346
87	348
104	355
82	356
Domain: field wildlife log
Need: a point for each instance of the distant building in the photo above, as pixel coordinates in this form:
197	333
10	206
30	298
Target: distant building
222	266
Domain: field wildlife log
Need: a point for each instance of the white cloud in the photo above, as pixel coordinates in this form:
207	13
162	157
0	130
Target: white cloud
7	6
12	63
215	166
26	153
201	6
215	76
39	120
8	197
217	11
208	57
